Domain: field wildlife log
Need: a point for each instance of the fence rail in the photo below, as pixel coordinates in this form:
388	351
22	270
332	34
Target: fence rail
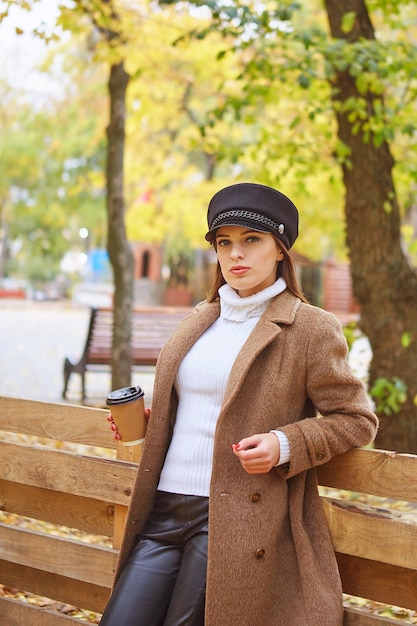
65	486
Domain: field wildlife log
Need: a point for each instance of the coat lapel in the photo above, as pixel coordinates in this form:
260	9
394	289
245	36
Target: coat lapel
281	310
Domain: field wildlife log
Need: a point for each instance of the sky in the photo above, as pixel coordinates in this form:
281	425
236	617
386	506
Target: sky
21	55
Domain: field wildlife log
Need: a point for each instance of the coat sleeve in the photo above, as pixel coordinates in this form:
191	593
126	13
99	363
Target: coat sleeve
345	419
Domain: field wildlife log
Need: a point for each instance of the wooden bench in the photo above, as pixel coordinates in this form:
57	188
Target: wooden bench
46	476
151	328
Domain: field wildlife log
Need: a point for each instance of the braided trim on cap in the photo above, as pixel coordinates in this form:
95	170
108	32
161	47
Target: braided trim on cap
249	215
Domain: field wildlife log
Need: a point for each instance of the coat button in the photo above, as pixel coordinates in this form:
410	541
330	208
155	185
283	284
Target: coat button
320	456
259	553
255	497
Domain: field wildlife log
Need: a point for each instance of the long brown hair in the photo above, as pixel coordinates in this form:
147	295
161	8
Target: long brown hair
286	270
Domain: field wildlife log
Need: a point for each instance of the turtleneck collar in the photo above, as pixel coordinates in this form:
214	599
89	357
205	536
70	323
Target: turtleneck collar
233	307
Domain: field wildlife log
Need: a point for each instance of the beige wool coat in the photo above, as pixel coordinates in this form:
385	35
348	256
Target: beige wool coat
270	556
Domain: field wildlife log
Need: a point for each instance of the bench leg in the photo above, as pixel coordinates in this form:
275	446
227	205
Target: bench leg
83	394
67	374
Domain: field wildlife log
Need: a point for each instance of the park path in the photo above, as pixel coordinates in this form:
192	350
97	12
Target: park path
35	337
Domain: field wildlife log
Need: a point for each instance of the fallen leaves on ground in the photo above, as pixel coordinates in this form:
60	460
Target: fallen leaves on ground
382	610
50	605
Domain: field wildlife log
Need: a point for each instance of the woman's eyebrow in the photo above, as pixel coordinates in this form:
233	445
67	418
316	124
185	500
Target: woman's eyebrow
221	235
243	232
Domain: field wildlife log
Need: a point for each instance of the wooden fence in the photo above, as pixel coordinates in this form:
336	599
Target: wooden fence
62	470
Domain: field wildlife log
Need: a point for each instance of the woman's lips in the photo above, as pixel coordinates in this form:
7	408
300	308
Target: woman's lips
238	270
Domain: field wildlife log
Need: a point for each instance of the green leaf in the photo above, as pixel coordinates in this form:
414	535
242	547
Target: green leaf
304	81
348	21
406	339
362	83
389	394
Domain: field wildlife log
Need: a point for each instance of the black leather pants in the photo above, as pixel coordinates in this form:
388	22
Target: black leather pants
163	581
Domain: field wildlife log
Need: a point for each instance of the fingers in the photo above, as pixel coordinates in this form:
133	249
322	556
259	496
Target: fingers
113	427
248	443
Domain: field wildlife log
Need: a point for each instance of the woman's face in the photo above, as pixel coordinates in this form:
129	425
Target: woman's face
248	259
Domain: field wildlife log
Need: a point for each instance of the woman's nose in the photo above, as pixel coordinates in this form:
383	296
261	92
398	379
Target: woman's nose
236	252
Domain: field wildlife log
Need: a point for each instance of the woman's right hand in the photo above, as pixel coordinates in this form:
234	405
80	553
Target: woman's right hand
113	425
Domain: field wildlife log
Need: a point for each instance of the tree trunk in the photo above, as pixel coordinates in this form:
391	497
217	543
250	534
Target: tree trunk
384	284
120	253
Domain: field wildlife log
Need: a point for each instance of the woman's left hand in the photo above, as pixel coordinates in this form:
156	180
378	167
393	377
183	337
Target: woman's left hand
258	454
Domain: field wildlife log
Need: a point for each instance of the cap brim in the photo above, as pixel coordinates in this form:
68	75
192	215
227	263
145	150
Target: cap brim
235	222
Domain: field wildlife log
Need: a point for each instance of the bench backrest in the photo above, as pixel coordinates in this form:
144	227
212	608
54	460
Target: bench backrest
62	469
151	329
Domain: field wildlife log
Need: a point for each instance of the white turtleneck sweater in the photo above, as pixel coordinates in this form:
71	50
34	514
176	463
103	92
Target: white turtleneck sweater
201	383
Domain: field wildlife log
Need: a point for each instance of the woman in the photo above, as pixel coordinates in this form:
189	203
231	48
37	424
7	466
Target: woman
225	525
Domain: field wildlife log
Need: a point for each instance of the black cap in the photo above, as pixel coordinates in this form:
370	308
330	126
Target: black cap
255	206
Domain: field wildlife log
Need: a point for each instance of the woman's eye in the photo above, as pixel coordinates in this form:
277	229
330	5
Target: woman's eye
223	242
252	239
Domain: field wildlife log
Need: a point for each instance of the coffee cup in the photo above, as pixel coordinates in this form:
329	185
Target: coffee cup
128	412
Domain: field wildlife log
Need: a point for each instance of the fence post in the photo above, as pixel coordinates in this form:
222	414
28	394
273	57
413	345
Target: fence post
132	454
